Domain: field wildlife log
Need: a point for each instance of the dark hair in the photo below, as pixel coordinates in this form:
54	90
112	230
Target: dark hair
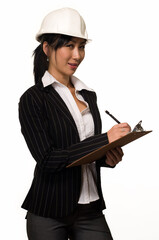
40	59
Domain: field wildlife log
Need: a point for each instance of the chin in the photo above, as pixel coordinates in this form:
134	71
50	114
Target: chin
71	73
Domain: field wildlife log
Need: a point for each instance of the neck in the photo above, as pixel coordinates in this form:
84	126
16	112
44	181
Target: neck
65	80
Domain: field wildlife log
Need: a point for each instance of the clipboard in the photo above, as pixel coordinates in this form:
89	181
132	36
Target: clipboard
100	152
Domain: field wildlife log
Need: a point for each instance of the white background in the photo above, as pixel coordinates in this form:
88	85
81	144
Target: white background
121	64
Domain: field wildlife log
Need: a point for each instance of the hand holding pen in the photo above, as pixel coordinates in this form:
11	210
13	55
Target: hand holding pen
117	131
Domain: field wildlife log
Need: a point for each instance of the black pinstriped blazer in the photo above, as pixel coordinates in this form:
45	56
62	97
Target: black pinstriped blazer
53	140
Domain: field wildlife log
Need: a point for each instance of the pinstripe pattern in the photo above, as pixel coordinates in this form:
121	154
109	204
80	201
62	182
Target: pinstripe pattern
53	140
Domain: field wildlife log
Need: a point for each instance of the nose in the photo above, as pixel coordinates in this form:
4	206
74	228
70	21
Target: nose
76	55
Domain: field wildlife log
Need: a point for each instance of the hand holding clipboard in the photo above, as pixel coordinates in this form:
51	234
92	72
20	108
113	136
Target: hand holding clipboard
137	132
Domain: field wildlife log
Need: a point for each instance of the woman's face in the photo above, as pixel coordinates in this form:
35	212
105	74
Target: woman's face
65	60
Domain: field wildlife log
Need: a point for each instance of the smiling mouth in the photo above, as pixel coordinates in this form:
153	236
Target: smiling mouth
73	65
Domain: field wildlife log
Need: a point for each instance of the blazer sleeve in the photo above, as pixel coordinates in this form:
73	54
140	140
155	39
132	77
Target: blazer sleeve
39	143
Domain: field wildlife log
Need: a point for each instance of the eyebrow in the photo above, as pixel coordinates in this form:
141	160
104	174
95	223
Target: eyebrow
76	41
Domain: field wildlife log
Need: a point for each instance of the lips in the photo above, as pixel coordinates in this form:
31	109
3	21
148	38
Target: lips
73	65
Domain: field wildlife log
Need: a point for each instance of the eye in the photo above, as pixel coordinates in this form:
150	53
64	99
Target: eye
70	45
82	47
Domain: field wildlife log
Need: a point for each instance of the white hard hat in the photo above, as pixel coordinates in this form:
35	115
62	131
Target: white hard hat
65	21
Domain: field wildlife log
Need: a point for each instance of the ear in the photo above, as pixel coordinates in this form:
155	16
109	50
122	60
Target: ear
46	48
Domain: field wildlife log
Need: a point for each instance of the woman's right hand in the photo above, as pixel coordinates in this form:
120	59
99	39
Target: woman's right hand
118	131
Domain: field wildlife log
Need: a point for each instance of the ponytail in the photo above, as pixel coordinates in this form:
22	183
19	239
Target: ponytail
40	63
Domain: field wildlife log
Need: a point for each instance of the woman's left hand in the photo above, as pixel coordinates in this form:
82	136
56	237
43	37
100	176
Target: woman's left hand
114	156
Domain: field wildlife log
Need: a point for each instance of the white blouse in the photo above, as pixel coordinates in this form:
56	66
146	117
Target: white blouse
85	126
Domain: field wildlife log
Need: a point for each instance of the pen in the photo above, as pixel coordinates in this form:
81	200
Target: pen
112	116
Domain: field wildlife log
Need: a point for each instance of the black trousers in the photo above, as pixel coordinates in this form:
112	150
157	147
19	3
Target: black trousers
87	223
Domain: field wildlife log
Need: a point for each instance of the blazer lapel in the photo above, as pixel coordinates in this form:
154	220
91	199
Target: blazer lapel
54	98
51	95
90	98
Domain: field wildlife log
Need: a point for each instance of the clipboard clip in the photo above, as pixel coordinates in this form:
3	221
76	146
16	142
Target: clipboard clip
138	128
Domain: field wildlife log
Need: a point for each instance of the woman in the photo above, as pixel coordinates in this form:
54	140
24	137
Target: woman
60	122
